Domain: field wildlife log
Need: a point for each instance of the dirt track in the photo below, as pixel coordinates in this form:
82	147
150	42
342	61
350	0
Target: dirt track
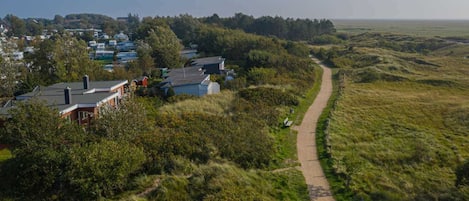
306	144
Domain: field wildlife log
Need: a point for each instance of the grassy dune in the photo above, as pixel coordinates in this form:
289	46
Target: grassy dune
400	134
216	104
430	28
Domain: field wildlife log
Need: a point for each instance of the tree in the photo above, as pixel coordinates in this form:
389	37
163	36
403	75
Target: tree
184	27
145	63
8	72
39	139
63	58
17	25
124	123
165	46
34	27
102	169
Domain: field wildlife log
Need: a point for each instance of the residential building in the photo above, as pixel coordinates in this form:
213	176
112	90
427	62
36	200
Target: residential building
211	65
126	46
121	37
190	80
77	101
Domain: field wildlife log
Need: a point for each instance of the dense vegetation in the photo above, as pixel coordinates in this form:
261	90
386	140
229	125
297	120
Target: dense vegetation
399	127
291	29
218	147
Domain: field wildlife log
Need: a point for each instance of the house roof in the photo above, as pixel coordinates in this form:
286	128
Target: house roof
207	60
185	76
97	93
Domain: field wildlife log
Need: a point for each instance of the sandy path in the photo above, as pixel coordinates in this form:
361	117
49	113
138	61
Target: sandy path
306	144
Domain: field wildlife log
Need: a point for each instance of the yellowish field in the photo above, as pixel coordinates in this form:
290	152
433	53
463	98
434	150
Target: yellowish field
441	28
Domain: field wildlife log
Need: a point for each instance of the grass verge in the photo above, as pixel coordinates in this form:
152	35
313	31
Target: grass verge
336	183
285	138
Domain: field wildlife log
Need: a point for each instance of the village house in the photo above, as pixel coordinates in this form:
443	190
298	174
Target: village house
211	65
76	101
191	81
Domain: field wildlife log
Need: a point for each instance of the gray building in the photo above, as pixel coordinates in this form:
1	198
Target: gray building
191	81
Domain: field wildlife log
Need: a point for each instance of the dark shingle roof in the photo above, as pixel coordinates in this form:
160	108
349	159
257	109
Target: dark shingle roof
185	76
54	96
207	60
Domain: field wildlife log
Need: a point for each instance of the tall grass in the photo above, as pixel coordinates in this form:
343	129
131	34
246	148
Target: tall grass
216	104
285	138
400	140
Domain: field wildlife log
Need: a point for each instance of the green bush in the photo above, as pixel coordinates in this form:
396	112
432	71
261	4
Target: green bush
268	96
102	169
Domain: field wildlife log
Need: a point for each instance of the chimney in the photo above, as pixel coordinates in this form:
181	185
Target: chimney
68	95
86	82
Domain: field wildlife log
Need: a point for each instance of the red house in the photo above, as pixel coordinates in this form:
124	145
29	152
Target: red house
77	101
141	81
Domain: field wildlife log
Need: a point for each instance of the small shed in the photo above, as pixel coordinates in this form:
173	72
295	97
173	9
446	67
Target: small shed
141	81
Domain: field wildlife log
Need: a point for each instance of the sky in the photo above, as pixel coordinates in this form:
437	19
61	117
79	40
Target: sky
313	9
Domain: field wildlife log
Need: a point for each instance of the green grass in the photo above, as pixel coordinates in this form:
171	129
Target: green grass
308	98
336	183
398	140
5	154
216	104
285	138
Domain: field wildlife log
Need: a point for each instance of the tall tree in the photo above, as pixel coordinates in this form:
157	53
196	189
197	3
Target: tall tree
17	25
184	27
8	72
164	43
63	58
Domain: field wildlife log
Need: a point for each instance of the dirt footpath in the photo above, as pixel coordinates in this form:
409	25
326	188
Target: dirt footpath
306	144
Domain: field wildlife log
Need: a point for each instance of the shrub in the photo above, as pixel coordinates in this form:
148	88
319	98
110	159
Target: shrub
268	96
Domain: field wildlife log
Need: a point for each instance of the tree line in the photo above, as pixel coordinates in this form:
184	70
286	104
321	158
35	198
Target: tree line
284	28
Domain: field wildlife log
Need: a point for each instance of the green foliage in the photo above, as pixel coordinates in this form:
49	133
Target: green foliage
34	125
226	182
8	84
181	97
184	26
100	169
55	159
5	154
399	120
268	96
260	76
462	174
63	59
291	29
34	174
326	39
16	25
123	123
165	47
232	138
172	188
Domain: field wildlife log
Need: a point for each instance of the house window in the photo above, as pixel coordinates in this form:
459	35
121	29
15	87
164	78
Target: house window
82	116
116	101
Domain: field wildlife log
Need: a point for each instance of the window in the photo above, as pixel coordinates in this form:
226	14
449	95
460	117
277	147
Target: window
82	116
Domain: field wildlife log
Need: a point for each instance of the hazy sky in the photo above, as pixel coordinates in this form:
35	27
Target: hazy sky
332	9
